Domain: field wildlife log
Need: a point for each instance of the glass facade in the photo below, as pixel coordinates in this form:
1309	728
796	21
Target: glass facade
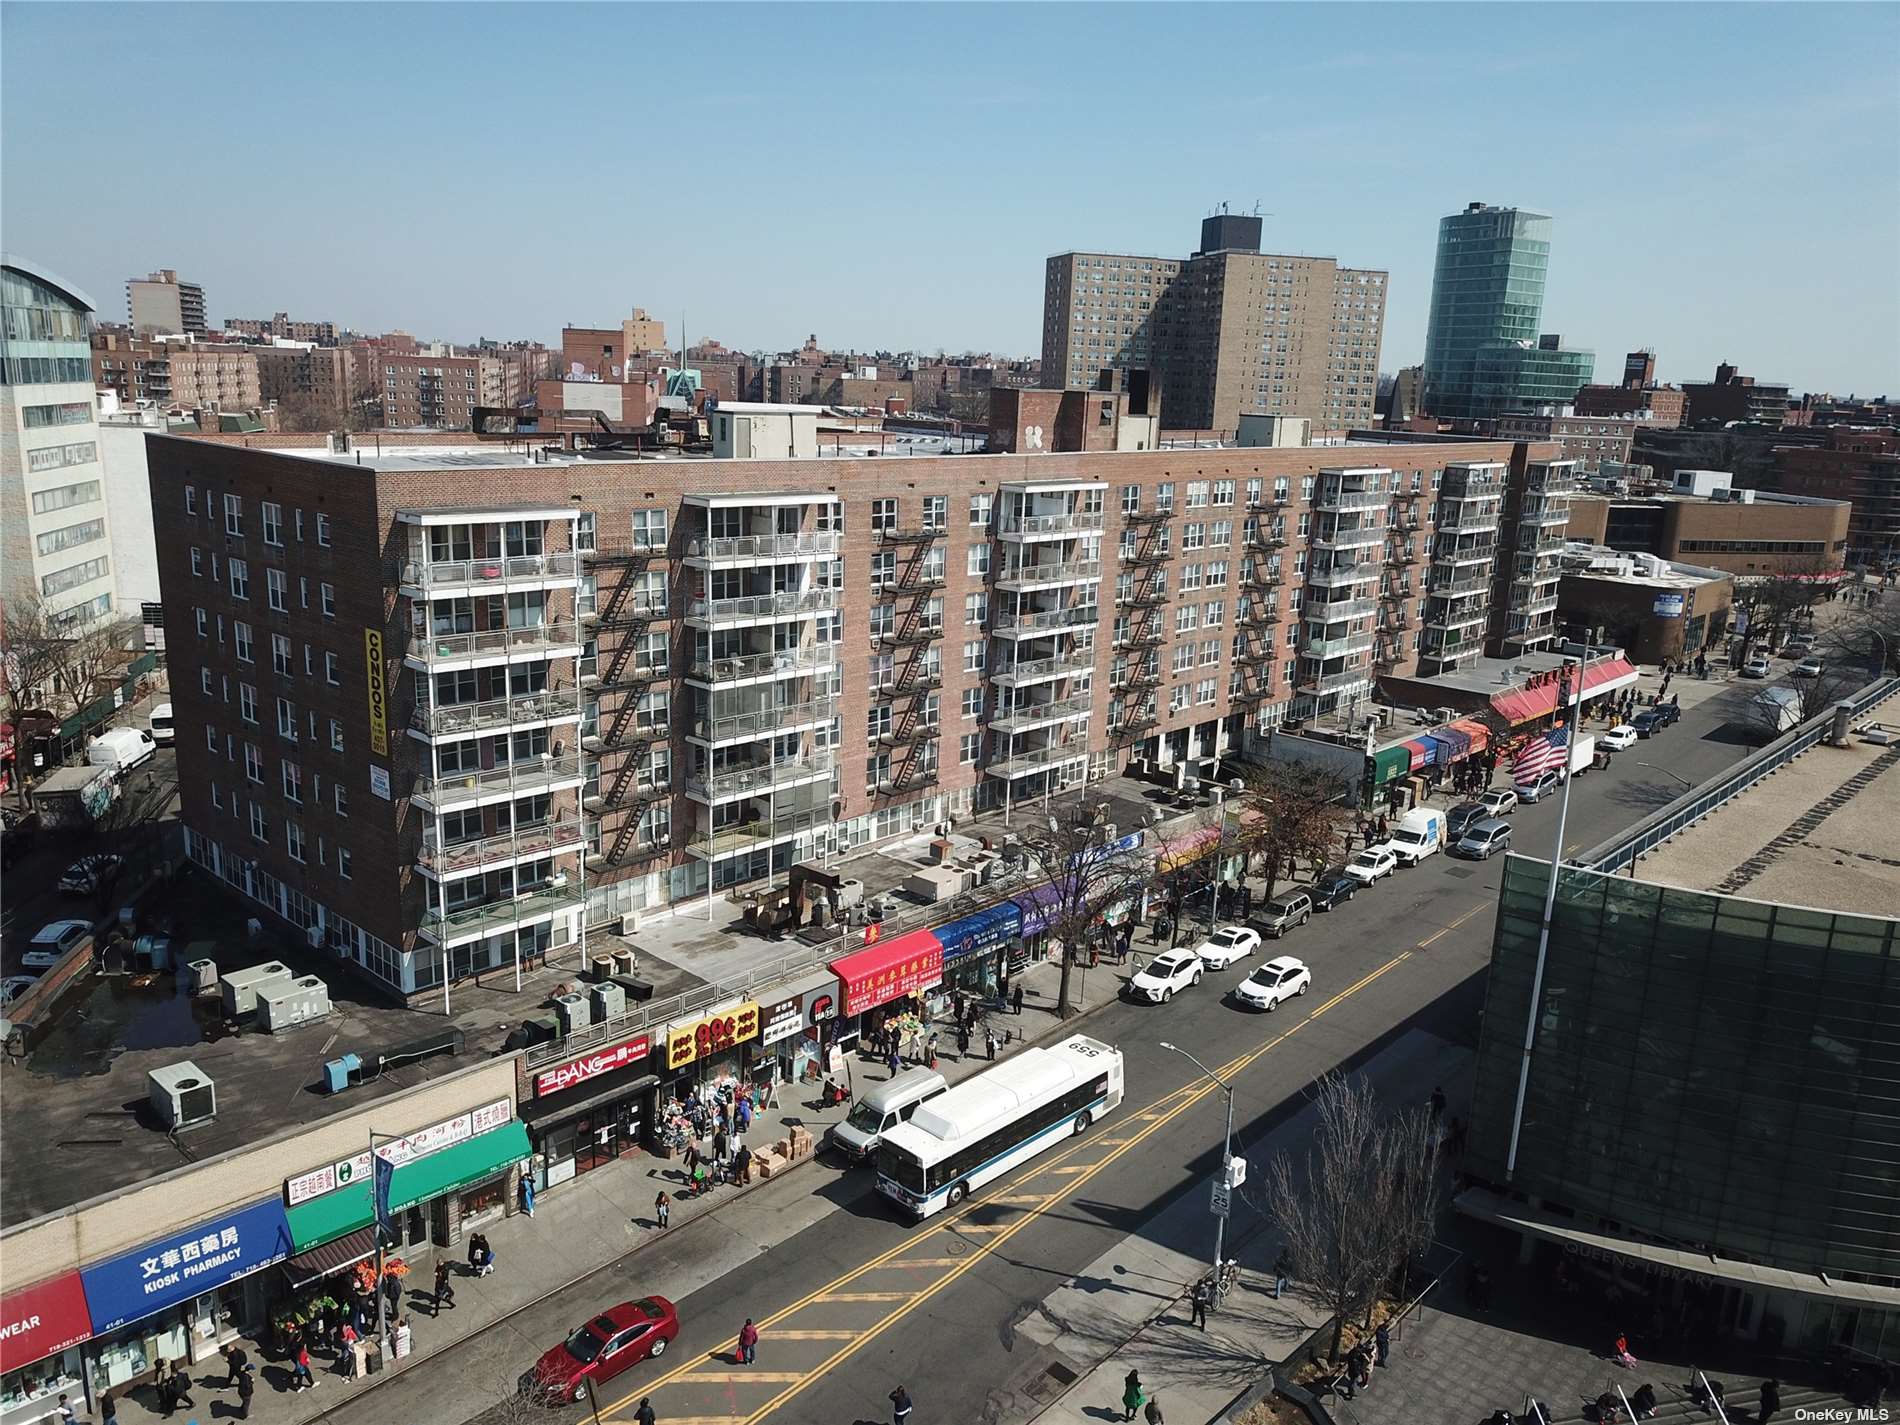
1519	377
1708	1072
1487	292
45	334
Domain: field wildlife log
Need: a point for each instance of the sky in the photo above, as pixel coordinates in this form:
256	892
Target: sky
1723	178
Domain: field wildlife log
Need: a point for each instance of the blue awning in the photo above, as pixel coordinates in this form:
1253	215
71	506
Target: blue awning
974	934
1453	745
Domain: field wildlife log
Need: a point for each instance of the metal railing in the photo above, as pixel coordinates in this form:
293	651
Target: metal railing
1023	718
527	775
1039	759
454	719
1343	573
1035	669
1349	538
542	839
443	926
821	544
1052	620
811	601
1689	808
1050	524
427	573
783	663
452	647
1331	682
1336	609
1337	647
767	776
764	721
1066	571
755	834
1350	500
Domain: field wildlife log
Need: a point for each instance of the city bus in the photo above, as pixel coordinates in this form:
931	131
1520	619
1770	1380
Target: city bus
1004	1116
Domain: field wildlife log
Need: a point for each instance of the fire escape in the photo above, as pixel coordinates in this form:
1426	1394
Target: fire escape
913	736
620	624
1139	686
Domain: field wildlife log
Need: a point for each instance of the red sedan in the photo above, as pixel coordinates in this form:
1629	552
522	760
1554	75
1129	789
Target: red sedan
601	1349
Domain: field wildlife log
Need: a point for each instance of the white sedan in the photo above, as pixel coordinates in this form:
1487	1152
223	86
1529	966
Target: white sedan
1618	737
1226	945
1372	863
1169	971
1274	981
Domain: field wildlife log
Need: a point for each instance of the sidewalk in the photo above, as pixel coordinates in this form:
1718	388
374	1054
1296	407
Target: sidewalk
593	1221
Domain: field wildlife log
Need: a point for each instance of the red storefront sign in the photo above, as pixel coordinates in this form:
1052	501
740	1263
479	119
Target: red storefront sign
890	970
601	1061
39	1320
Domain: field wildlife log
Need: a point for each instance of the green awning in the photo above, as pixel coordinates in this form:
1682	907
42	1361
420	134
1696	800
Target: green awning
350	1209
1389	763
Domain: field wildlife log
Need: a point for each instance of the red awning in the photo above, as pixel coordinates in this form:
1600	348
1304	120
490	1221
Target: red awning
1529	704
1479	734
889	970
43	1319
1423	753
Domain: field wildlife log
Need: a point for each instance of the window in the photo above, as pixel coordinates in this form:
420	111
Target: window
1190	577
1213	614
247	702
1164	496
336	737
1131	499
343	862
273	524
883	569
883	619
260	829
203	627
878	721
240	579
331	672
204	683
969	748
649	529
233	514
1210	652
973	702
977	561
327	592
1205	691
64	497
980	511
1177	697
936	511
64	579
299	514
975	656
280	655
197	562
323	529
1182	658
1193	535
1196	494
1223	492
293	839
1187	617
883	515
211	733
277	590
1220	534
1216	574
241	636
293	782
287	719
976	608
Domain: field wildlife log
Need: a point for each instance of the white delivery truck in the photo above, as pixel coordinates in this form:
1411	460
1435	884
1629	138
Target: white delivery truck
1583	753
121	749
1419	834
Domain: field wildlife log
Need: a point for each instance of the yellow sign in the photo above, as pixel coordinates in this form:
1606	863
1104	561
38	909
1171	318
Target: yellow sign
378	692
711	1035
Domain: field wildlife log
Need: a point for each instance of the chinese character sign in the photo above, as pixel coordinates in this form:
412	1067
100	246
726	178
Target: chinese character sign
174	1269
686	1043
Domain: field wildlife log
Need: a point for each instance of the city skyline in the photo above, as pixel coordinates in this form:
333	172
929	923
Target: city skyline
1662	229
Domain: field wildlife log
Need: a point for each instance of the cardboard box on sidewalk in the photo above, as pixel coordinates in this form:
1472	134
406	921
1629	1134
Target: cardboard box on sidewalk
766	1163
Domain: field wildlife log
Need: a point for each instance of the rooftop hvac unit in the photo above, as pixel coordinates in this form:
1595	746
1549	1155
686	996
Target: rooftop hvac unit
182	1095
240	987
600	968
345	1071
574	1013
625	962
199	977
285	1006
609	1001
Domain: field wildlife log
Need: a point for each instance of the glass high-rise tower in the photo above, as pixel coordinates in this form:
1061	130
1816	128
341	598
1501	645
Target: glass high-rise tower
1483	352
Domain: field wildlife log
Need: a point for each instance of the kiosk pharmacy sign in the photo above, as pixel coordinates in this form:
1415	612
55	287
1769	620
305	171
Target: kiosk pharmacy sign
172	1270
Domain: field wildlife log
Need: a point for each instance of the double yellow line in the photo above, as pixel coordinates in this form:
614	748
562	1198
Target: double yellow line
1153	1122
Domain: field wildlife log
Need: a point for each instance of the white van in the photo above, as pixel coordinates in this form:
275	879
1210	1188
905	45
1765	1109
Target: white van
884	1106
1419	834
162	728
121	749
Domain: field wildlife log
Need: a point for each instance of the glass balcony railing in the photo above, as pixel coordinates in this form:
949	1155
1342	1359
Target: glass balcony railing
1335	574
456	719
1052	620
1025	717
1037	670
1349	538
1350	500
1337	647
475	922
515	569
755	835
494	643
1337	609
751	606
783	663
447	858
1040	759
1019	526
529	775
1333	682
1034	576
822	544
763	778
764	722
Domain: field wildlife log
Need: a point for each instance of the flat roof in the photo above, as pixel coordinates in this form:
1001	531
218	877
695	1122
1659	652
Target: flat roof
1494	675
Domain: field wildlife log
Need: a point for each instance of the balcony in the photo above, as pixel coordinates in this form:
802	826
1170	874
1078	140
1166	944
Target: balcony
624	615
1333	575
1337	647
541	774
1542	603
1531	540
912	534
764	667
527	709
1458	615
912	682
1042	670
1027	717
1468	554
1333	682
1334	610
478	922
1336	500
914	633
1025	577
432	578
441	858
1030	625
1041	759
1447	649
1069	526
1468	521
777	776
756	835
1263	576
1339	539
765	722
443	651
631	679
762	608
1458	587
1543	515
763	548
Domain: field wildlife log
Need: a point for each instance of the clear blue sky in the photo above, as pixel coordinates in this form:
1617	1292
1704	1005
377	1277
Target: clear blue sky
1723	177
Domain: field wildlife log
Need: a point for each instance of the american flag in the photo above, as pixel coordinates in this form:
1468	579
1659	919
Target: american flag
1540	755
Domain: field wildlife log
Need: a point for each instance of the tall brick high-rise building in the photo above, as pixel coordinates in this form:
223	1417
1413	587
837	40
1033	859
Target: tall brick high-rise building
1229	331
162	304
442	695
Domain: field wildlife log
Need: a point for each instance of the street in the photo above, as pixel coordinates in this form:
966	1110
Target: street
853	1301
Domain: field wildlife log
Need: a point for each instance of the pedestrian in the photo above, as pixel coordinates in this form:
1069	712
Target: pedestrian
1016	999
1153	1413
662	1211
644	1415
1132	1397
181	1388
392	1292
247	1387
1770	1401
748	1343
1282	1272
1438	1103
742	1166
474	1254
64	1412
1455	1138
444	1288
892	1062
1622	1353
1644	1401
108	1410
346	1350
720	1143
900	1406
1382	1343
301	1376
930	1051
963	1041
956	1001
527	1194
989	1043
234	1358
1200	1295
743	1113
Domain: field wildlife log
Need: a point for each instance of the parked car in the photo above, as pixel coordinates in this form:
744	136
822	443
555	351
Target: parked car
1226	945
1272	982
1463	815
51	942
1481	842
601	1349
1649	722
1796	648
13	986
121	749
90	875
163	729
1809	668
1540	786
1169	971
1419	834
1618	737
1332	886
1756	666
1499	801
1669	712
1282	913
1372	863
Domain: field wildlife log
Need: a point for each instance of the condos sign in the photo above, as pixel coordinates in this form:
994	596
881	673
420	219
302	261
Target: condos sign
377	683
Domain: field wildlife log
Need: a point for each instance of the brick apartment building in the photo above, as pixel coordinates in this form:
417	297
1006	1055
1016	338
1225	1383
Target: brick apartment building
1589	440
162	304
441	392
281	326
443	695
1229	330
1861	467
1732	396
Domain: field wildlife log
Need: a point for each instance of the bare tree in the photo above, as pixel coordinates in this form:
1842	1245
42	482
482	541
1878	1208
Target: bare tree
1292	812
1090	871
36	651
1785	706
98	648
1361	1204
1867	638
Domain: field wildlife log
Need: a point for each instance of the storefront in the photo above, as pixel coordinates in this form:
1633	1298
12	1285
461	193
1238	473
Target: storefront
889	980
794	1026
976	951
591	1110
449	1177
182	1296
1540	695
41	1331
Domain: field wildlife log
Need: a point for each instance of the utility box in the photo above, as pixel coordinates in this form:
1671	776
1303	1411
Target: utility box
182	1094
240	987
937	883
341	1073
609	1000
199	977
574	1012
287	1004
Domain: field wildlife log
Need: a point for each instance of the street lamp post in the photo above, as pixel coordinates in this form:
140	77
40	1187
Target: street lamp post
1226	1147
1687	784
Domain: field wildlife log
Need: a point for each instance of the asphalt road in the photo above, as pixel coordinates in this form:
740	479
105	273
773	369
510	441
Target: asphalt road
855	1300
